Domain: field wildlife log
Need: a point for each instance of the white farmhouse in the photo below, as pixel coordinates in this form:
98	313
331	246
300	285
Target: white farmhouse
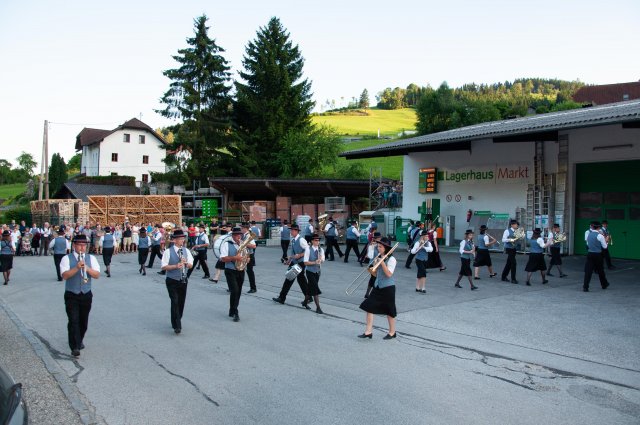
131	149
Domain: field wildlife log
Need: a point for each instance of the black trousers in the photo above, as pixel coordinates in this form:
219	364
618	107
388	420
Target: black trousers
56	260
143	253
302	281
607	257
78	307
250	274
594	262
202	259
285	247
409	260
332	242
177	294
351	244
155	251
44	245
235	279
511	264
107	253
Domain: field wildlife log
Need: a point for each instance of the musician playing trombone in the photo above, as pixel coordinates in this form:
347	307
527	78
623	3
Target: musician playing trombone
78	269
383	297
176	259
421	249
372	253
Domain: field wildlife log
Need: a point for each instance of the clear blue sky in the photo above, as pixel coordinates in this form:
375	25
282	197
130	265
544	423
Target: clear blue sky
98	65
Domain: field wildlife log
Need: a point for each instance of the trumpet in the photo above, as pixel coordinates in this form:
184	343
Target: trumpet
83	270
372	269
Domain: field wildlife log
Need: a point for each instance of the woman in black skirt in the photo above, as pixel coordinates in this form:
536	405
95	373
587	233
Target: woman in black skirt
554	249
483	258
7	252
467	251
434	261
144	242
383	296
536	256
313	258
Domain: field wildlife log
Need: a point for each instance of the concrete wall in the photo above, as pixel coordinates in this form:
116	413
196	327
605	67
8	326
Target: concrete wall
90	159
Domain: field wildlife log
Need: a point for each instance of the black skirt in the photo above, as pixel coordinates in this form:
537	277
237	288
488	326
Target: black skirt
143	253
219	265
6	262
107	253
535	263
381	301
556	259
465	267
312	283
422	268
434	261
483	258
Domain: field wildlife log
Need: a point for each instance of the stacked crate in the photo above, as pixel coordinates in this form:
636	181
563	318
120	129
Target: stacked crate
143	209
296	210
310	210
283	208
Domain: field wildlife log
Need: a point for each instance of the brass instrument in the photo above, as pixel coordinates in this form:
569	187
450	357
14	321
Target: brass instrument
559	237
168	229
183	261
83	270
372	269
322	221
242	250
518	234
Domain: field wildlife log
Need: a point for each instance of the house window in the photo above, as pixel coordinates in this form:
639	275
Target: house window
145	159
126	138
625	97
114	157
141	139
145	178
114	174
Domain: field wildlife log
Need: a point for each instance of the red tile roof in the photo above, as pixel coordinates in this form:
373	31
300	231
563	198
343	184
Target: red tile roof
608	93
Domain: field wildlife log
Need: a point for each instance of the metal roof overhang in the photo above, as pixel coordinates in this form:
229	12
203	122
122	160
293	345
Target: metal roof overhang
255	189
405	150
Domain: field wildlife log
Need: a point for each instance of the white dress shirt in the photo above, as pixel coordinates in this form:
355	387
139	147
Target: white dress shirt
307	253
427	247
167	255
64	263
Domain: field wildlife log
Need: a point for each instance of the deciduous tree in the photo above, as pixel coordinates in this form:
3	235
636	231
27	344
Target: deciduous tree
57	174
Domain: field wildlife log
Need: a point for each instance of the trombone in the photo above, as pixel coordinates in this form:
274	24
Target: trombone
373	266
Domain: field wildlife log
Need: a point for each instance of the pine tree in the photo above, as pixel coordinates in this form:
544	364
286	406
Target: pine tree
364	99
57	174
199	96
274	99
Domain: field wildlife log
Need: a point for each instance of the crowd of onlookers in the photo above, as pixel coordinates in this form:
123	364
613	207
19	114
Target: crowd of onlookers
389	194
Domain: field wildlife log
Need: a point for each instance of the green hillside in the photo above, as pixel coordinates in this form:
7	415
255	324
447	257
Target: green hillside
389	122
10	190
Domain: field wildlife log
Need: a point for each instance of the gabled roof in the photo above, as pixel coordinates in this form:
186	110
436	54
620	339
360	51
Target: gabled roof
608	93
72	190
535	127
89	136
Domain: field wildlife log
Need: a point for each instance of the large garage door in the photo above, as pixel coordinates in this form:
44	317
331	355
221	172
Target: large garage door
609	191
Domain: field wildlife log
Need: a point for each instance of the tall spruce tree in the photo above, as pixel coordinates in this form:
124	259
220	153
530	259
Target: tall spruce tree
274	98
199	96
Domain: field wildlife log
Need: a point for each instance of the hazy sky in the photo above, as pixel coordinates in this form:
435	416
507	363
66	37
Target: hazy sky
81	64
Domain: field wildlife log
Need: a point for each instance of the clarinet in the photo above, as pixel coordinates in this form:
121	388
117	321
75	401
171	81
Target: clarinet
183	275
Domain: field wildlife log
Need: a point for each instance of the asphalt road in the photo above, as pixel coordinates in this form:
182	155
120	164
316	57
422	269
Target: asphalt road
503	354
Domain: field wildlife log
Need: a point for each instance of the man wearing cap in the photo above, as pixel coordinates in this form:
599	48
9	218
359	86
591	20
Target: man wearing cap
352	242
296	256
107	241
251	249
510	249
595	244
235	278
416	230
78	270
200	245
331	239
174	260
60	246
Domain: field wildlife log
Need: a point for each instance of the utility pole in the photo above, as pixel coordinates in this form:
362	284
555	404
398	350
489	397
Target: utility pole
46	159
44	169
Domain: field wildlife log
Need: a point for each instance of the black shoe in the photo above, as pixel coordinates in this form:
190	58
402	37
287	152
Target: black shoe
493	275
476	278
457	285
140	270
514	281
306	305
319	310
424	291
59	279
365	336
160	272
230	314
387	336
564	275
206	277
417	290
144	273
443	269
585	289
177	330
527	283
605	286
473	288
549	274
346	261
278	300
236	318
544	282
504	279
81	346
108	274
5	282
75	353
213	280
251	291
407	267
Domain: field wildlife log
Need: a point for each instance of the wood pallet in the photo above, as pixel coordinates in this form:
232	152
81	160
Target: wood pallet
135	208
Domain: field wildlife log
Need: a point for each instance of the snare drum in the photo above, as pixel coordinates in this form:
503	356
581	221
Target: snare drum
293	272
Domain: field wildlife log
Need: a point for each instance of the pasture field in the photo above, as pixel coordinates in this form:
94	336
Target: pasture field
390	123
10	190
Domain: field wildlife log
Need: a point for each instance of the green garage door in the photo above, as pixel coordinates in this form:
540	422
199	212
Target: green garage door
609	191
